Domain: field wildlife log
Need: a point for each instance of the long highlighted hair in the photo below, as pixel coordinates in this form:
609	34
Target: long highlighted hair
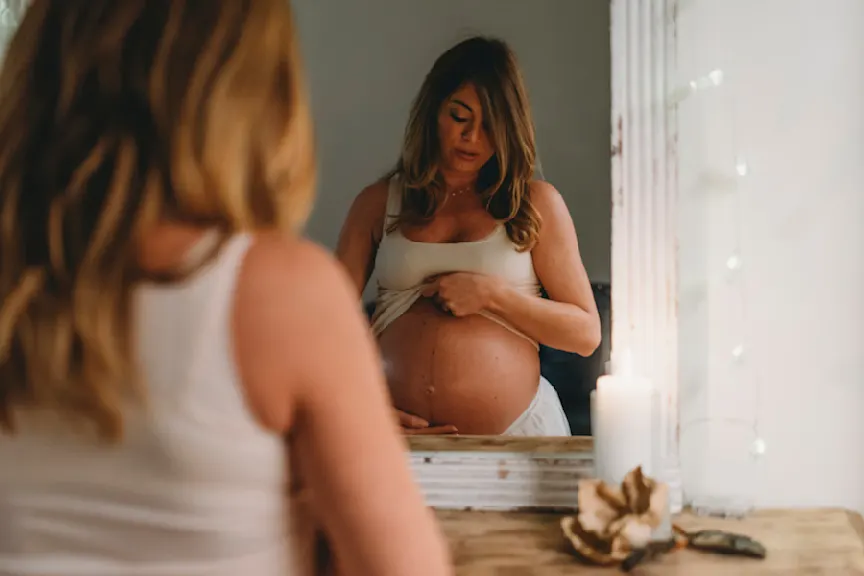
116	115
504	182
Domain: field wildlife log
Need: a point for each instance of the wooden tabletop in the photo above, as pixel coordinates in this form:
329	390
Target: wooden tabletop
530	444
829	542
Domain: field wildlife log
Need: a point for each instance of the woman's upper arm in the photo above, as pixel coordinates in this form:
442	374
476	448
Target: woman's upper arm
361	233
303	345
556	257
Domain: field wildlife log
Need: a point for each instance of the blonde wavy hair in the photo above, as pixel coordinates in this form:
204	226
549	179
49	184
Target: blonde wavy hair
116	115
504	182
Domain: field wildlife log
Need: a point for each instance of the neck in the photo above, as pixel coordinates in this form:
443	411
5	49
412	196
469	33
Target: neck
458	180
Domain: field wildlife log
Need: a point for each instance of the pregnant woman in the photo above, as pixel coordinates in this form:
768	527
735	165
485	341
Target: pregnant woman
461	240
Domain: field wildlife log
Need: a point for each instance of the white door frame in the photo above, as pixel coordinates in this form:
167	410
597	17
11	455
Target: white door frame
645	200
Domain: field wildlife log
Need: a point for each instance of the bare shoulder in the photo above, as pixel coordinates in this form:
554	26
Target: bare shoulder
366	215
371	202
288	268
287	287
362	232
374	194
545	197
550	204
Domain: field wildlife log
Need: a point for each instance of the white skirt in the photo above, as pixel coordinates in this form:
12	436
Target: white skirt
544	417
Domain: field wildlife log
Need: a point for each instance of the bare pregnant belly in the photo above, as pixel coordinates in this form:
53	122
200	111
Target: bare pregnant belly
470	372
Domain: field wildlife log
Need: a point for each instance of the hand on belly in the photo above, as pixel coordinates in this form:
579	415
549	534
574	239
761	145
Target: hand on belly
412	425
469	372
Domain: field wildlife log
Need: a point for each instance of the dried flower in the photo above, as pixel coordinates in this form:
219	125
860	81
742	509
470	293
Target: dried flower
614	521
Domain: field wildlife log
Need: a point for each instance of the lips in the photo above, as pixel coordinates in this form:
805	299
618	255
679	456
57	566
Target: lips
467	155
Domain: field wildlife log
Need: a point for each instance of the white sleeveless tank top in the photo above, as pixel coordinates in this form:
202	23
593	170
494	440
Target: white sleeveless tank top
402	266
196	487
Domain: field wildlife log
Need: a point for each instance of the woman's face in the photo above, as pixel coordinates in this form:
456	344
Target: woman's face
465	145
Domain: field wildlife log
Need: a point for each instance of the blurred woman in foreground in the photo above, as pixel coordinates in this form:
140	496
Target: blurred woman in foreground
162	329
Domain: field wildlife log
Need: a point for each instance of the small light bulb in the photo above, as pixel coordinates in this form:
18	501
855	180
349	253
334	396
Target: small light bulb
733	263
738	351
716	77
758	448
710	80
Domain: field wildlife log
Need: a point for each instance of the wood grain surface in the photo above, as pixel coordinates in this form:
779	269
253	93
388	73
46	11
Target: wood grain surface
829	542
533	444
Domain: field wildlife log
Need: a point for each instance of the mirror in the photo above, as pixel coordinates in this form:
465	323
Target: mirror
482	373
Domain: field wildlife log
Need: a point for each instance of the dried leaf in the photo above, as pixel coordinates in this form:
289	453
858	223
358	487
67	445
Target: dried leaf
633	530
614	497
599	553
637	491
657	505
598	505
613	522
596	541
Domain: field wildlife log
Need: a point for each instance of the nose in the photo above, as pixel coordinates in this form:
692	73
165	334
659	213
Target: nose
472	132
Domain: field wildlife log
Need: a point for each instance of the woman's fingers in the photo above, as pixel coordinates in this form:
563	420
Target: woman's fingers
440	302
431	430
414	425
409	420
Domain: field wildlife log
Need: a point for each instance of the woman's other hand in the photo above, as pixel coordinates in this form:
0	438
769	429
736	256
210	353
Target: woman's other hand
461	293
415	426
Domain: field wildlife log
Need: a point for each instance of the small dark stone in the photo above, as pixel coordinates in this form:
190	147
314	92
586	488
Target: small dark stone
721	542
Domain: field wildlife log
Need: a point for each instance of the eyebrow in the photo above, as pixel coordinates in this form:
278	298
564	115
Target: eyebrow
461	103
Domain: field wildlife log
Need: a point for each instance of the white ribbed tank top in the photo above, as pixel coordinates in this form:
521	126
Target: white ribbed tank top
196	487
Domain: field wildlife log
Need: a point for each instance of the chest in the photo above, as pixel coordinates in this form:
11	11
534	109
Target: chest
403	263
452	227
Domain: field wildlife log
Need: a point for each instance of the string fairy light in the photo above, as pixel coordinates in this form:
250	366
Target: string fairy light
710	80
733	182
733	262
742	168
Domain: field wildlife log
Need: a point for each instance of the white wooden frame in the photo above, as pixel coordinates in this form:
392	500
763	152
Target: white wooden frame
513	474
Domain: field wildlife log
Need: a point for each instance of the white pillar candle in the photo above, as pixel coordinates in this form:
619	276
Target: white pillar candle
622	417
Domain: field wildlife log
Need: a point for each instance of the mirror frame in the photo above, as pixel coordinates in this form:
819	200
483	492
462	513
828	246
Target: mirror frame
528	474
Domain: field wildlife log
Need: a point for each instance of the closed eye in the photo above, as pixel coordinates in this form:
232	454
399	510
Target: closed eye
457	118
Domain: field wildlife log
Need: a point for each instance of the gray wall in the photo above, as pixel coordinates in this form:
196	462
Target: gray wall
366	60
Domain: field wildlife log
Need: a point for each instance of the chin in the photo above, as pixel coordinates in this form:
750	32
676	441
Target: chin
459	165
